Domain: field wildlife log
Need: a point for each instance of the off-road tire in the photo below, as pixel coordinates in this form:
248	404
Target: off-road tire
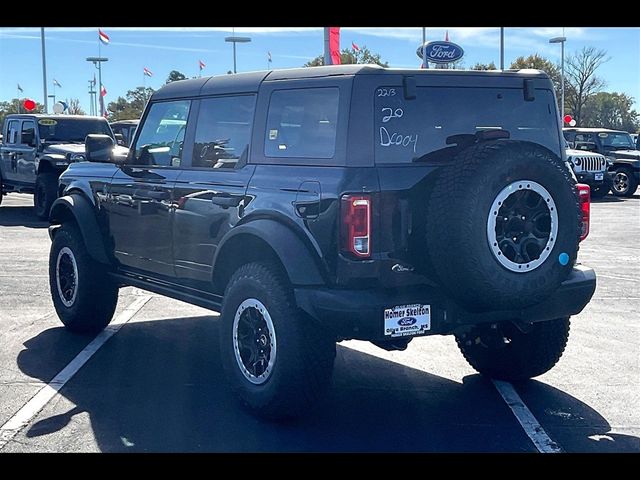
304	356
527	355
631	182
45	194
96	294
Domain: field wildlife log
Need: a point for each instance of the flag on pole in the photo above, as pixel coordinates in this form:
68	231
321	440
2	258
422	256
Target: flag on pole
269	57
104	38
56	83
103	91
355	46
201	64
148	72
20	89
446	36
334	45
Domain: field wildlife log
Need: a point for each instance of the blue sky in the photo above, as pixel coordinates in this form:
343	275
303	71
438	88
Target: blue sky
162	49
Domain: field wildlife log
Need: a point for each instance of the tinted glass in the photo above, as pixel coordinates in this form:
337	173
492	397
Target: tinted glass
12	132
162	137
223	131
410	129
62	129
616	140
302	123
27	136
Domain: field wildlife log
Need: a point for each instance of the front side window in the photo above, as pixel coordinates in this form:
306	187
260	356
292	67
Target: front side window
162	137
28	135
12	132
223	131
302	123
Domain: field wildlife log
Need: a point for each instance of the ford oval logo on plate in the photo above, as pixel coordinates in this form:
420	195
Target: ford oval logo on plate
441	52
406	321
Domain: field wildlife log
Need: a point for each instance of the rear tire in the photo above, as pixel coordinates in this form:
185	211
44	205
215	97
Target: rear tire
83	294
275	358
45	194
624	183
526	355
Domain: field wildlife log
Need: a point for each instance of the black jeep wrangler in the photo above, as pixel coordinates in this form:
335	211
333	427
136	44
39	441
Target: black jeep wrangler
321	204
621	152
38	148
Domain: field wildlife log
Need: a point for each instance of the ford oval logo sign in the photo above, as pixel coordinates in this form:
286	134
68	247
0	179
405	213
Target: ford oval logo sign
441	52
406	321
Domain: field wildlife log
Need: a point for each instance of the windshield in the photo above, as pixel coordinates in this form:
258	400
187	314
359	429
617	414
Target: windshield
616	141
428	126
71	129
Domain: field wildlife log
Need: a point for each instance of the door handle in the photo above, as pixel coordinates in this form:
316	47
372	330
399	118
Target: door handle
226	200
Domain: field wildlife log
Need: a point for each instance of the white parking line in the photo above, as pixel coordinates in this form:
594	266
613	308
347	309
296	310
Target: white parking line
30	409
530	425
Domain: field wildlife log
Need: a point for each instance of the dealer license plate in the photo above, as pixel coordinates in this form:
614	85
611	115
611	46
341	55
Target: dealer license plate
599	176
407	320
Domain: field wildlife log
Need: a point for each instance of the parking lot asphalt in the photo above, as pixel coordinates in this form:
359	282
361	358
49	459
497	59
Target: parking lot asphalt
157	385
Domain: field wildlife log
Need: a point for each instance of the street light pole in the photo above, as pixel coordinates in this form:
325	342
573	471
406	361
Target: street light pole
561	41
234	39
501	48
97	62
44	70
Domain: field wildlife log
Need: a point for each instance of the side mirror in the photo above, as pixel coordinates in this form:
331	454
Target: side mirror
119	139
98	148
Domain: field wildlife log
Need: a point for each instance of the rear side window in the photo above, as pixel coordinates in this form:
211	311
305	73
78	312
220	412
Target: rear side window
162	137
223	131
406	130
302	123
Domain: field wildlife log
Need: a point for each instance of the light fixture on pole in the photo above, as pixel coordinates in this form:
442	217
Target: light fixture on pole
97	62
561	41
235	39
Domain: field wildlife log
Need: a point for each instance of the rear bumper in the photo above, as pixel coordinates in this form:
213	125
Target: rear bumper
358	314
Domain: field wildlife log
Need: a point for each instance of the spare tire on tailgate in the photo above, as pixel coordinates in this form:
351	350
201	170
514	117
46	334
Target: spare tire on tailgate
503	225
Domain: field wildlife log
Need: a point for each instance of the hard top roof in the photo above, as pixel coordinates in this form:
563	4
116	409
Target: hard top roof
592	129
53	115
250	81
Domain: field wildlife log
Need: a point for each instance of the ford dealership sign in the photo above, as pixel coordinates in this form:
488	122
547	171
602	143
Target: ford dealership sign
441	52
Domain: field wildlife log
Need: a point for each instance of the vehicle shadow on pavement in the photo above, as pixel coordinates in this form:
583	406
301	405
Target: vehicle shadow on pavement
20	216
157	386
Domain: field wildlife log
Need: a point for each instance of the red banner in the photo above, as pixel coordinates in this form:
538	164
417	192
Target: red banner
334	45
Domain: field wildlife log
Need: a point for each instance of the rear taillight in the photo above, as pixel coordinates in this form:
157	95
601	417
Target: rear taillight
584	196
356	225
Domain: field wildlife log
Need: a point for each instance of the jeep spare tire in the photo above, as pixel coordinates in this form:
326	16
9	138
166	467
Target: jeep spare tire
504	225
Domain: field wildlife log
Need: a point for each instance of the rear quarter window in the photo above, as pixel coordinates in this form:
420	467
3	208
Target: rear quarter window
302	123
411	129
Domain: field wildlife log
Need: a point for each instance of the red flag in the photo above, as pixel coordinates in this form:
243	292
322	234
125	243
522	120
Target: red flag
148	72
201	64
355	46
104	38
103	92
446	36
334	45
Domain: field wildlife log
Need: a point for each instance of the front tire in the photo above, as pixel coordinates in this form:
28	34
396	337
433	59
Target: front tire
507	353
83	294
625	183
45	194
275	358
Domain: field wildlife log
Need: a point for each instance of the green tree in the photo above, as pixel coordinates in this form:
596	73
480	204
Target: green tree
175	75
351	56
130	106
484	66
538	62
15	105
581	81
610	110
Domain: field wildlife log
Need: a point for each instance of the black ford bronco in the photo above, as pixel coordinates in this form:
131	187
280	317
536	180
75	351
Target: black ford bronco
315	205
38	148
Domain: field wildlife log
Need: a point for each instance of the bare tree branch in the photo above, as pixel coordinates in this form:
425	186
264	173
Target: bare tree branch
581	80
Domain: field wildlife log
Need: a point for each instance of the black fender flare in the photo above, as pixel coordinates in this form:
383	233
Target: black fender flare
84	215
51	162
298	261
